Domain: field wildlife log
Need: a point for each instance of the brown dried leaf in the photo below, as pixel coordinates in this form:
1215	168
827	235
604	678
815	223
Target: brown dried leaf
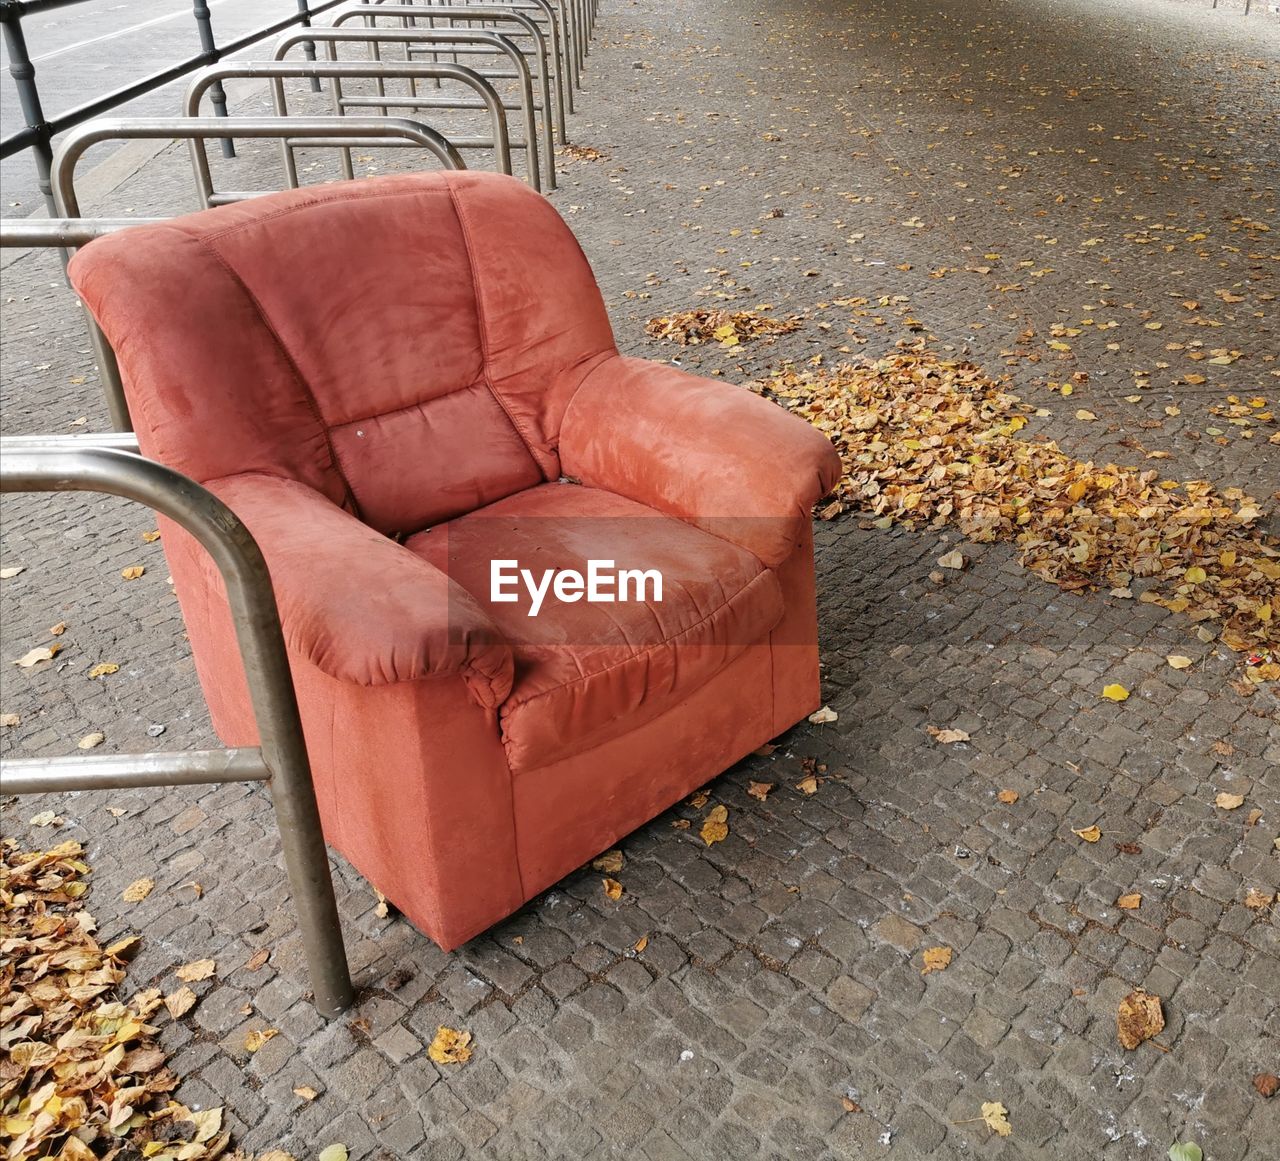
808	785
1008	797
255	1038
257	959
1267	1083
1139	1018
133	572
138	890
306	1092
715	828
38	654
612	888
936	959
1090	834
609	863
1225	801
180	1002
1129	902
1257	900
946	737
759	790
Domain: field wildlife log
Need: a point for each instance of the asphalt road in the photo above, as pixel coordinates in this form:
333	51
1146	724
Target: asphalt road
91	48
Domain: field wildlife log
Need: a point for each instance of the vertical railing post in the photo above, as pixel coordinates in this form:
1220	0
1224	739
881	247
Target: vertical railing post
308	46
24	77
218	96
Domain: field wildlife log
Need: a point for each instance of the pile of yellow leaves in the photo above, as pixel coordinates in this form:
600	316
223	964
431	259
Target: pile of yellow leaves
926	440
729	328
80	1075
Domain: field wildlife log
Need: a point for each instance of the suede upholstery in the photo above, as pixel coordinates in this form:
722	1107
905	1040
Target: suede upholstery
394	382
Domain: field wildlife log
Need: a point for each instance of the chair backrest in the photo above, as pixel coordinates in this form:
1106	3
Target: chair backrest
404	345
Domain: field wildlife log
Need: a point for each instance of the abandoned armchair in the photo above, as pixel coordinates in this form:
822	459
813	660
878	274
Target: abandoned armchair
404	387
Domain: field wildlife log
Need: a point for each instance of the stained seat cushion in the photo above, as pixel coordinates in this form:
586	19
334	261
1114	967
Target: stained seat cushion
587	672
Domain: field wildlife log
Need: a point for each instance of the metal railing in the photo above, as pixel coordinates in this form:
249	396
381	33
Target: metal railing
40	129
464	41
112	466
335	72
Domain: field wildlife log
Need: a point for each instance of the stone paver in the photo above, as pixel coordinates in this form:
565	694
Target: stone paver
757	153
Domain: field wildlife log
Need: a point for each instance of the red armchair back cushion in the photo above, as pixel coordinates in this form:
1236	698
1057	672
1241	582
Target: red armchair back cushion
404	361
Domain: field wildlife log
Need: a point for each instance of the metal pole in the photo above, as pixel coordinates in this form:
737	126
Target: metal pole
266	666
308	46
204	24
24	77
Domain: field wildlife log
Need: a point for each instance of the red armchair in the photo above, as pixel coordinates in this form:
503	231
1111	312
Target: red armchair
396	382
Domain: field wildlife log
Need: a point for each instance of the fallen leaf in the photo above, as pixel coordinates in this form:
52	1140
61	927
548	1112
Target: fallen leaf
339	1152
1225	801
849	1105
1178	661
133	572
1008	797
824	715
947	737
808	785
699	800
1139	1018
12	570
45	818
996	1117
612	888
257	959
759	790
450	1046
1257	900
10	720
1253	817
200	969
150	537
640	944
1085	415
936	959
1129	902
380	910
1187	1151
306	1092
1115	693
103	668
180	1002
1267	1083
1090	834
765	750
715	827
90	741
255	1038
276	1154
609	863
38	654
58	629
953	559
138	890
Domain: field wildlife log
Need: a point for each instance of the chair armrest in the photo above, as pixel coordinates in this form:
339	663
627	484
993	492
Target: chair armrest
706	452
359	606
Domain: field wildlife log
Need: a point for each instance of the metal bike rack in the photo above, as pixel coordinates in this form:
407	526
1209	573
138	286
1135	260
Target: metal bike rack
486	43
547	13
112	466
277	72
319	131
525	27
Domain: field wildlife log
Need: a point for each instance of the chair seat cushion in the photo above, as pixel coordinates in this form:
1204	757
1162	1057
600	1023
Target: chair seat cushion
585	671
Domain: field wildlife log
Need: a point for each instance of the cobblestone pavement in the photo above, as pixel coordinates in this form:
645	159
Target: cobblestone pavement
1006	168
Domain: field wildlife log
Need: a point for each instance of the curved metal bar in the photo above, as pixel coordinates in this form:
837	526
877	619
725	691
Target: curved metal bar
257	625
278	71
558	33
332	37
527	25
196	130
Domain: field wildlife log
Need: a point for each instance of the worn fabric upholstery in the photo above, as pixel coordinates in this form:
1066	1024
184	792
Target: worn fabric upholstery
394	382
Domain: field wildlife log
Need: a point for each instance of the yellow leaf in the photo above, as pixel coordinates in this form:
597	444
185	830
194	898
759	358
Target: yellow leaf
255	1038
450	1046
1085	415
807	785
996	1117
151	537
1178	661
339	1152
715	828
640	944
947	737
1115	692
1129	902
306	1092
1090	834
1225	801
200	969
612	888
133	572
952	559
103	668
1008	797
180	1002
936	959
138	890
1195	575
